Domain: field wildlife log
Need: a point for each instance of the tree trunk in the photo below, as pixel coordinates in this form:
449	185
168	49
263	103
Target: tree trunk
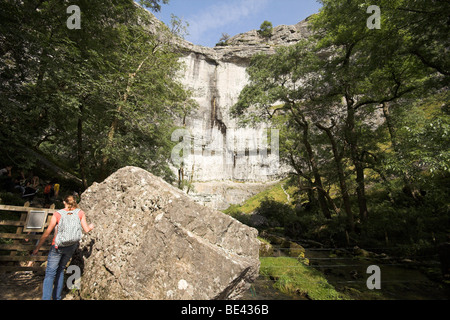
322	197
352	140
115	122
392	134
300	174
80	151
340	169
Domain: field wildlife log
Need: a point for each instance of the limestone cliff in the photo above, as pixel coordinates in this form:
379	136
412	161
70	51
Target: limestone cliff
222	152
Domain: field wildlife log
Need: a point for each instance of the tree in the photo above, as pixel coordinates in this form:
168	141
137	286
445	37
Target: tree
93	99
223	39
331	87
377	67
178	27
266	29
154	5
275	79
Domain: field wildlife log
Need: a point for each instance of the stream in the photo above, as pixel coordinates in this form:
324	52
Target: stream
399	280
348	274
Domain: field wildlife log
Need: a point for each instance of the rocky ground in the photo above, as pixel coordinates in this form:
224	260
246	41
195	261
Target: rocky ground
20	286
23	285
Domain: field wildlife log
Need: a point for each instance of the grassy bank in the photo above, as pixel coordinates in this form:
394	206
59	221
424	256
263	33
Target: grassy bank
275	192
293	277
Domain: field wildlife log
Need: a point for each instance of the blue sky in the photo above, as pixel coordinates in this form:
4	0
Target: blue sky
208	19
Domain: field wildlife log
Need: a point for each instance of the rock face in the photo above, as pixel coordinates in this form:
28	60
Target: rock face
282	35
221	194
216	76
151	241
221	151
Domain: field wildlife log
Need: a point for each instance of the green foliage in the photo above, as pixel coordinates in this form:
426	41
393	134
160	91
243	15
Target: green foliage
266	29
363	120
223	40
275	212
154	5
236	212
426	137
274	192
11	199
293	277
97	98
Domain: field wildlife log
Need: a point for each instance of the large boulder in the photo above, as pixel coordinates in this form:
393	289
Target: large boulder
151	241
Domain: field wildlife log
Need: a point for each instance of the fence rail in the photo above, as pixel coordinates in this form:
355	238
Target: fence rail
17	240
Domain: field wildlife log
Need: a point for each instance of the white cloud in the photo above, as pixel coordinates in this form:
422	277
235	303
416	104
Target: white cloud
220	15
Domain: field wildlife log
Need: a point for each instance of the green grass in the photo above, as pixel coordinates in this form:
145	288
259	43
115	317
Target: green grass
275	192
293	277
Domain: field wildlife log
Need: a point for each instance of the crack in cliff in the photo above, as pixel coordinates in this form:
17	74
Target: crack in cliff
216	116
109	271
215	119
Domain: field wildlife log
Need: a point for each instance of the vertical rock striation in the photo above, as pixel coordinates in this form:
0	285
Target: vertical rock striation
221	151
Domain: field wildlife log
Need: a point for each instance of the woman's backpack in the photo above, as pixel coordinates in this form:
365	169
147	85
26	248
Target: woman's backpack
69	228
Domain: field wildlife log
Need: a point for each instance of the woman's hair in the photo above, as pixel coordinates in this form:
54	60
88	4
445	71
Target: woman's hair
71	202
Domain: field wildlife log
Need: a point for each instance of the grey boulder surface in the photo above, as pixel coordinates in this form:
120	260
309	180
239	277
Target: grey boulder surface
151	241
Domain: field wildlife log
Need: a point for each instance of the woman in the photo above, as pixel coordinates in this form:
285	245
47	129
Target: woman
59	255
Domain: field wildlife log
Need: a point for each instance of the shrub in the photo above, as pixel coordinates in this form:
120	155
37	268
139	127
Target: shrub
266	29
278	214
236	212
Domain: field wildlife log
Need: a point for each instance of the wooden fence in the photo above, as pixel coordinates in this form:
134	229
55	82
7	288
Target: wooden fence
19	234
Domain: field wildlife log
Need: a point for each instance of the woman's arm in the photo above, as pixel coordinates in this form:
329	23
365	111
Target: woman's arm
87	228
45	235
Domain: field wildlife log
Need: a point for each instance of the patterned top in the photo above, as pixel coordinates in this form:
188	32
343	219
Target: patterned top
58	217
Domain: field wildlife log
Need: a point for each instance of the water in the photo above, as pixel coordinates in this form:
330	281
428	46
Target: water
399	281
262	289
